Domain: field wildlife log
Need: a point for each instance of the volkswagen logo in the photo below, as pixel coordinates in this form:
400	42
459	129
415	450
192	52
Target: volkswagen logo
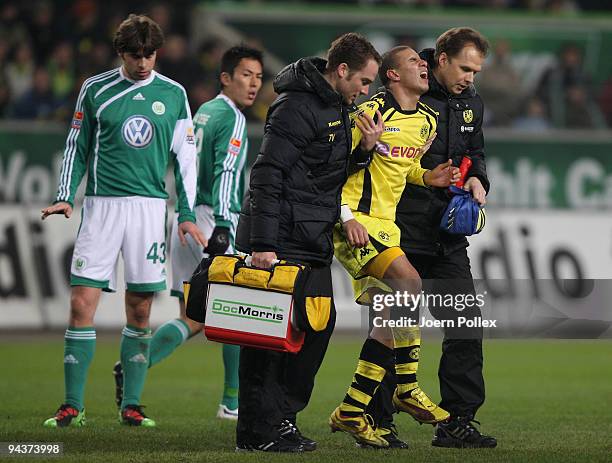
137	131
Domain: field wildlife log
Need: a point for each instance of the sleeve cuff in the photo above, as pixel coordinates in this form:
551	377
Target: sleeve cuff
345	213
189	217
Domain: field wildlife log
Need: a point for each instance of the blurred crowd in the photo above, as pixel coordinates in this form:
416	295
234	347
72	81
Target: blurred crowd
48	48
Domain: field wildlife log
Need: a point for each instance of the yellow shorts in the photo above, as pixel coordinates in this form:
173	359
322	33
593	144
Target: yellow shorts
382	249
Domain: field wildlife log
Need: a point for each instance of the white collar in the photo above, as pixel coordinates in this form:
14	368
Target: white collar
146	81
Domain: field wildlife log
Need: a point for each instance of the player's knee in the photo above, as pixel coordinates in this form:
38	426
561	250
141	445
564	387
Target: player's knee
81	310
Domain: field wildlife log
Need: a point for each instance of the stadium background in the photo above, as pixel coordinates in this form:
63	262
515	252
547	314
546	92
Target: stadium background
547	87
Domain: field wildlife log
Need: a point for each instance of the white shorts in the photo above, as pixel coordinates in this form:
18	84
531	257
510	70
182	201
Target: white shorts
186	258
134	226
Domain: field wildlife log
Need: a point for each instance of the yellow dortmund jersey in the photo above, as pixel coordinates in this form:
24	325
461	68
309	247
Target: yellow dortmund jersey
377	189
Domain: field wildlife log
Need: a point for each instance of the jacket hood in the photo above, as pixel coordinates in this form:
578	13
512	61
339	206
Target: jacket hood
434	86
306	75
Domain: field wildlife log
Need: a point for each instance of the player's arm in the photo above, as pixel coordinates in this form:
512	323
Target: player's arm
290	128
228	151
183	150
76	153
477	179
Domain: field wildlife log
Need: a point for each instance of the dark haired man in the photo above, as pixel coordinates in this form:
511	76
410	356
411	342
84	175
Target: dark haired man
293	203
128	122
222	145
440	258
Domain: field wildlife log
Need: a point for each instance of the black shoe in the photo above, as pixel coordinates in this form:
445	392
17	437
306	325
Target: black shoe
388	433
290	432
118	375
459	432
280	445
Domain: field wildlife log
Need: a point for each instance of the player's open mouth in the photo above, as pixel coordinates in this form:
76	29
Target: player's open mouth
423	75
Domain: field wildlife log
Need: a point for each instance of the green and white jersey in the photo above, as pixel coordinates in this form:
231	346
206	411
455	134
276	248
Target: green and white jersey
222	144
124	133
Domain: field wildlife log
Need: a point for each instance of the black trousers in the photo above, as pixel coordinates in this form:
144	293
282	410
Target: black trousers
277	385
460	371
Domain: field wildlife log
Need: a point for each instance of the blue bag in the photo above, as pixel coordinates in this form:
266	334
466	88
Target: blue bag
463	216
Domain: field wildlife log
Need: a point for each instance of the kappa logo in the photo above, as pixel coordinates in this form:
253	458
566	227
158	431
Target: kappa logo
137	132
364	252
468	116
138	97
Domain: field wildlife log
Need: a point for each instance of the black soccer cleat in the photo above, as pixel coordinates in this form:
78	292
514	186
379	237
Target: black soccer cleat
280	445
290	431
459	432
118	375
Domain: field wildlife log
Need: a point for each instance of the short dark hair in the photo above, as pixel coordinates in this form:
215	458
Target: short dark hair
232	57
389	61
454	40
353	49
138	34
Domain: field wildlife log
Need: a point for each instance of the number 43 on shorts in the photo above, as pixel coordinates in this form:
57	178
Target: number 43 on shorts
153	252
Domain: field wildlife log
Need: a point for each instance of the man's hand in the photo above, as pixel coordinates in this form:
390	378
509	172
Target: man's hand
442	176
428	143
474	186
263	259
370	130
218	242
190	228
58	208
356	233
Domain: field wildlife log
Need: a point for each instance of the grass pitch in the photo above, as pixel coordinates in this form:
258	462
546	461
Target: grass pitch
546	401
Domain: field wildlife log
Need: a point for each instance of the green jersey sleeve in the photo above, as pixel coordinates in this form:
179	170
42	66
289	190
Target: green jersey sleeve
229	147
185	170
78	146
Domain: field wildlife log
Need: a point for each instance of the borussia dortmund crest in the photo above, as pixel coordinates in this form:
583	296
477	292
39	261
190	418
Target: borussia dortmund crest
383	236
468	116
414	353
425	131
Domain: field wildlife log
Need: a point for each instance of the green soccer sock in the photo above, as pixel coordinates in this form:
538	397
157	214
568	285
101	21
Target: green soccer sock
231	359
79	348
135	344
167	338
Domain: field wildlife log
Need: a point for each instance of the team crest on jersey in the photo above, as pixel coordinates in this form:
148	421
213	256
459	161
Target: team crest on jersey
137	131
414	353
158	108
424	131
468	116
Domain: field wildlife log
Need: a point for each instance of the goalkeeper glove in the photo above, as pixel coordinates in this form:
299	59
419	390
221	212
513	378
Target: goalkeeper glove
218	242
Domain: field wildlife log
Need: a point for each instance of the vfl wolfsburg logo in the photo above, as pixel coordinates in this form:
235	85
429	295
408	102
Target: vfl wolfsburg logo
137	131
80	263
241	309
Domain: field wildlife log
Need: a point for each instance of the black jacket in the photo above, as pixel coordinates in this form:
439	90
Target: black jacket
296	182
459	133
